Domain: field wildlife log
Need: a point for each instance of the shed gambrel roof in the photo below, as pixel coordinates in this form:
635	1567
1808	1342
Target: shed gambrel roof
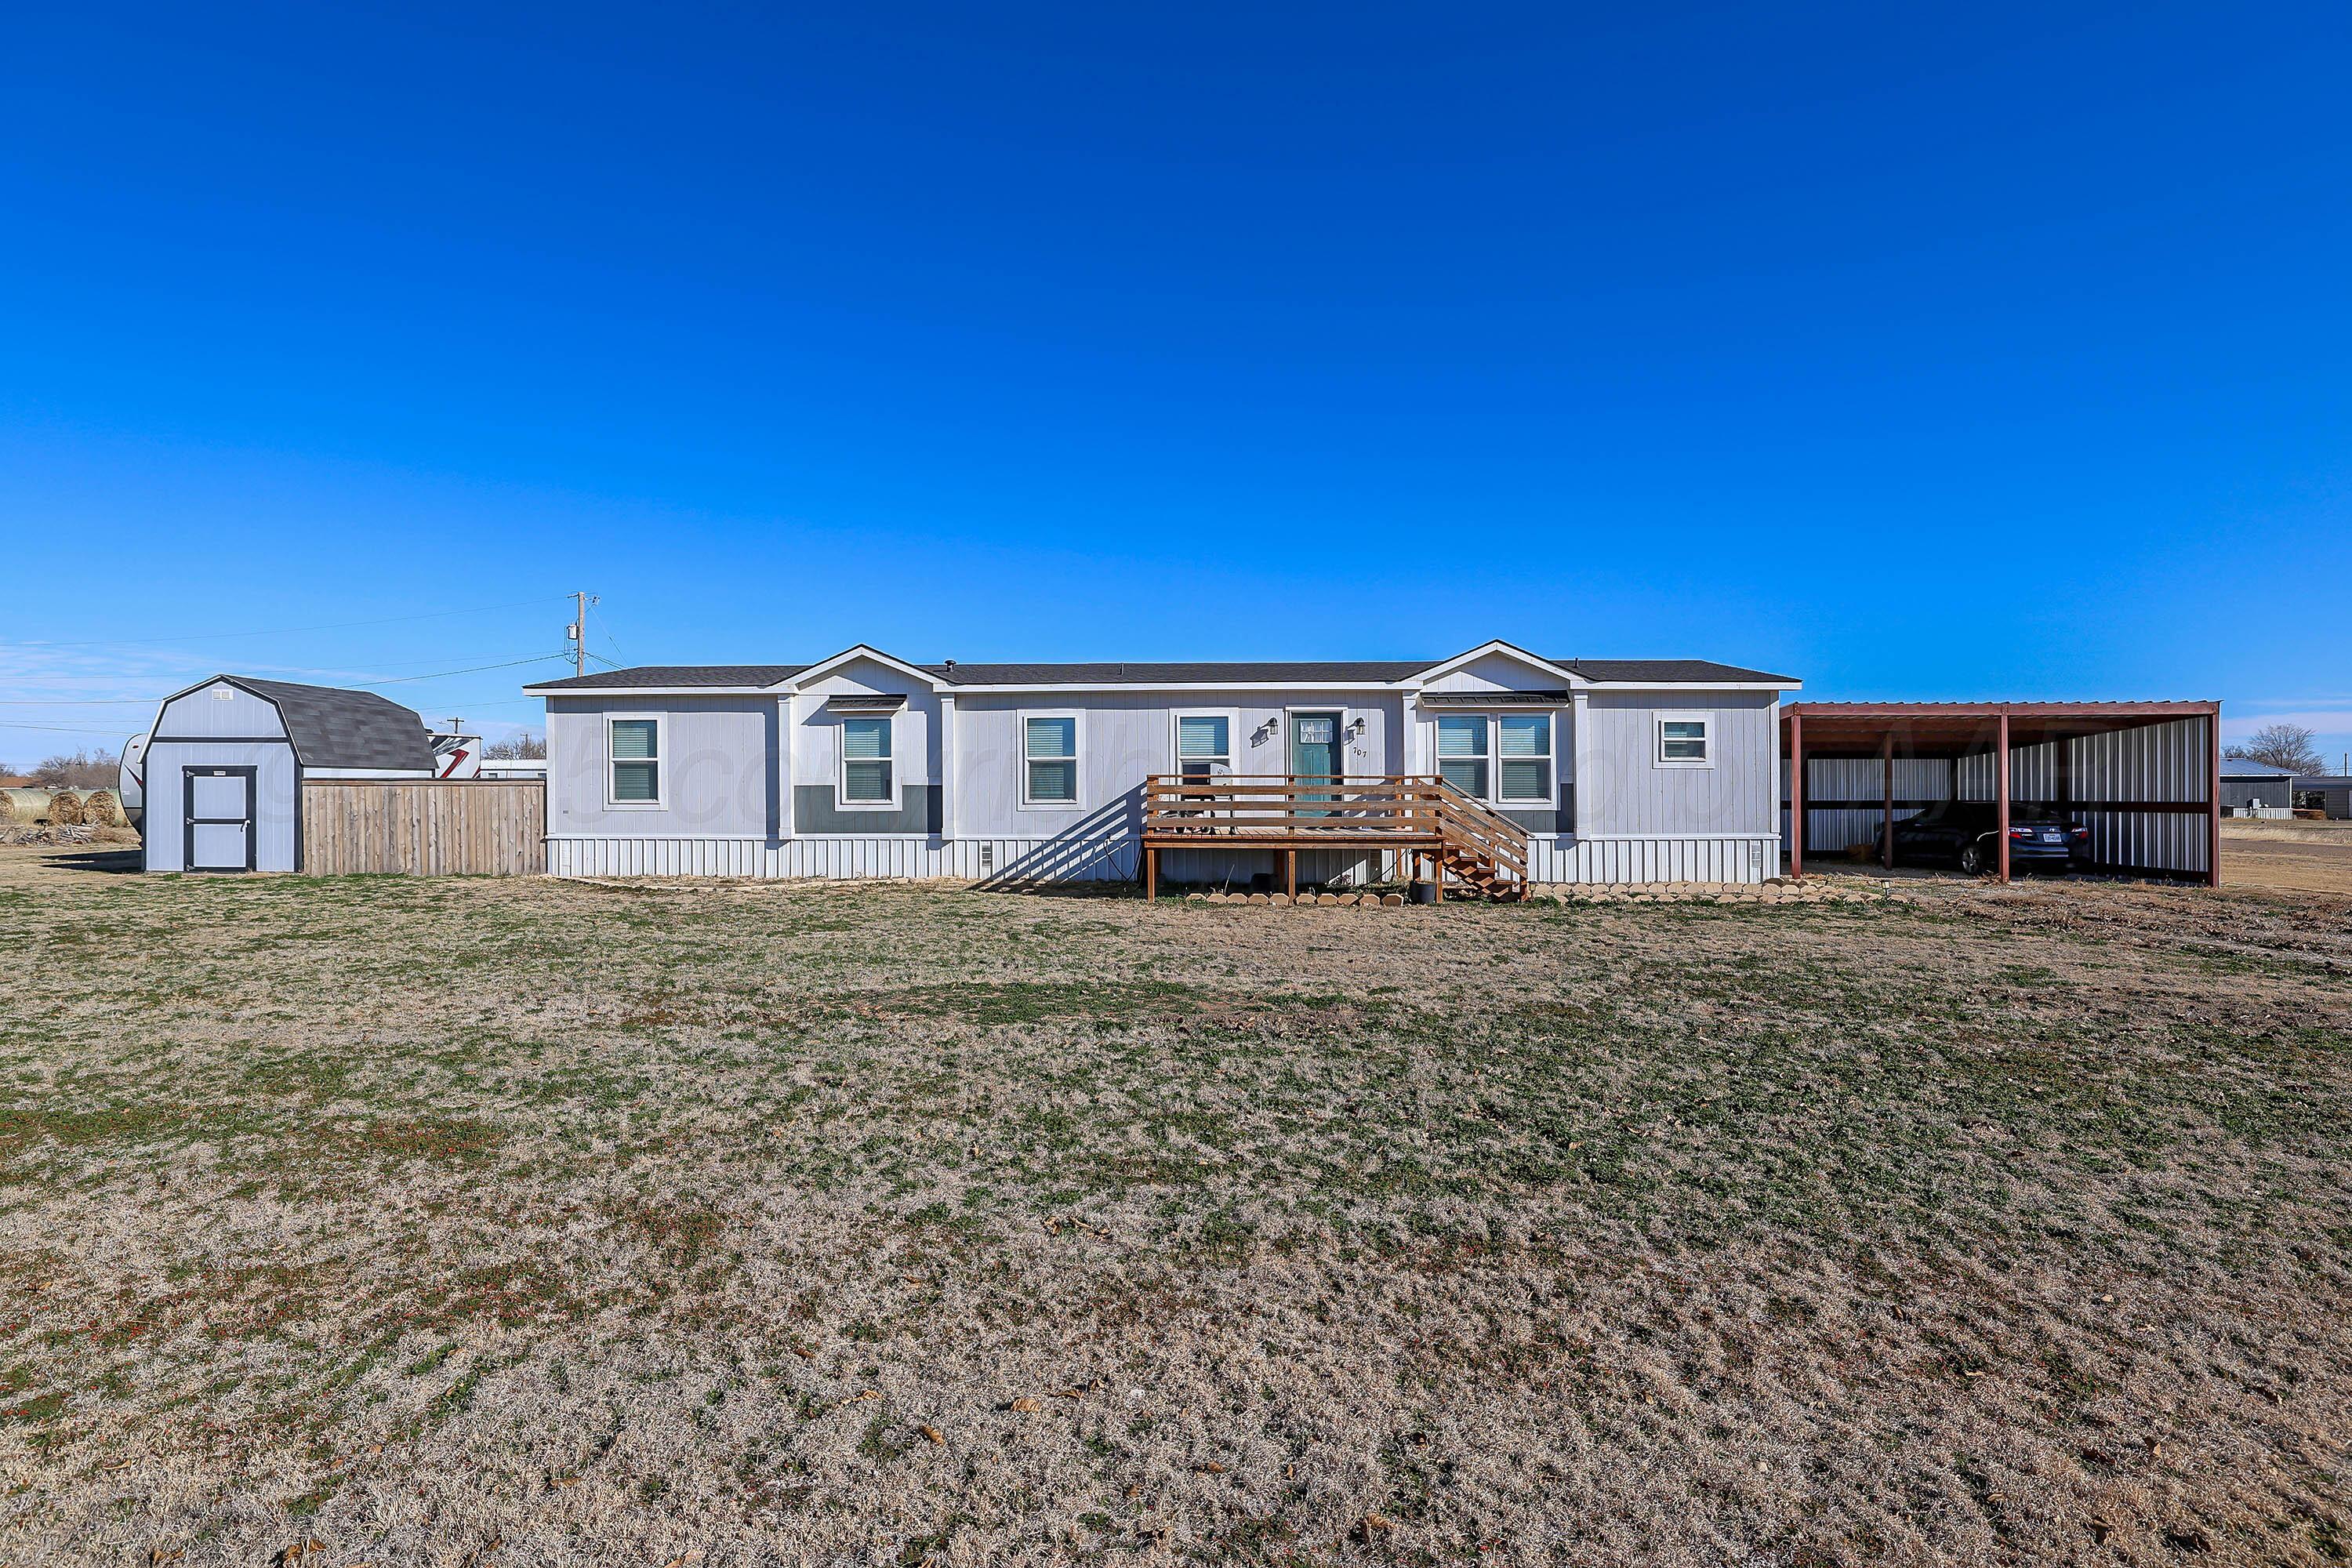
333	727
1601	671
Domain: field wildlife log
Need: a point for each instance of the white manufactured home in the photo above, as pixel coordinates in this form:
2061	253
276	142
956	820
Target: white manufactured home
1500	766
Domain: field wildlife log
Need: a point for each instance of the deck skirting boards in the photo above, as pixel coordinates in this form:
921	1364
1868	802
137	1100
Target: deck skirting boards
1713	857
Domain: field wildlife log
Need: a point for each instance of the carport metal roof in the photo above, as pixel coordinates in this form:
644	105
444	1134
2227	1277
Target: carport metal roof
1889	730
1965	729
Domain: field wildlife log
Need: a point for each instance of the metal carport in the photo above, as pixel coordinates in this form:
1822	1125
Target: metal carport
2144	776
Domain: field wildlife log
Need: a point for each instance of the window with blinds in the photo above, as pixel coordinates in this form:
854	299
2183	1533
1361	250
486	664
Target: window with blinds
1462	754
1049	759
634	747
1205	745
1685	741
865	764
1524	742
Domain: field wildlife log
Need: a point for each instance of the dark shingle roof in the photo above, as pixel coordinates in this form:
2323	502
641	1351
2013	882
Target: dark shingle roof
334	727
1646	671
1666	672
676	675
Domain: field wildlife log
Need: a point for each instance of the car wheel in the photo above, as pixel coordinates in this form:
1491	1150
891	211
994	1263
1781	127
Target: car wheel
1972	858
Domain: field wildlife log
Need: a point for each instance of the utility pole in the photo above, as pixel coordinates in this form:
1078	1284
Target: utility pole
577	632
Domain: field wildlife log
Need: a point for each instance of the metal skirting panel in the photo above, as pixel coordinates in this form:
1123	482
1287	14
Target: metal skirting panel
1729	859
848	859
1013	861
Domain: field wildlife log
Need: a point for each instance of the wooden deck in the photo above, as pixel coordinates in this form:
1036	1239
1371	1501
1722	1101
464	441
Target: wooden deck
1421	816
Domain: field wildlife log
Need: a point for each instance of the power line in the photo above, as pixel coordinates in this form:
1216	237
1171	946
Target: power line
276	671
283	631
443	674
63	730
387	680
610	640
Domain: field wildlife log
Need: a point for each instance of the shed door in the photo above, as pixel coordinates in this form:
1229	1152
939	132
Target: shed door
219	819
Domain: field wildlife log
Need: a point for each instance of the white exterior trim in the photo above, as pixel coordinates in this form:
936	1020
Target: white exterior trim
973	688
950	770
841	760
1664	717
1508	650
1232	718
1347	716
825	667
660	760
1021	798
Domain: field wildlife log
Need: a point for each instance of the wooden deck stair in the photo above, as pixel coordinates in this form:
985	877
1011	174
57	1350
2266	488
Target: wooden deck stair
1419	816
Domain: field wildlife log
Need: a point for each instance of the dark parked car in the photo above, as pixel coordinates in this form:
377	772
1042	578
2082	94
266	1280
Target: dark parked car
1962	833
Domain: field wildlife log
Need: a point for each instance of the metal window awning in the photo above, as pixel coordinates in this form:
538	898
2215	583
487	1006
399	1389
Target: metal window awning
1496	699
865	702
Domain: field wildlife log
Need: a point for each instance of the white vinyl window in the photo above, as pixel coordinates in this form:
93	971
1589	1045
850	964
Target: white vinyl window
635	745
1525	769
1049	759
1205	745
1685	741
1463	753
868	776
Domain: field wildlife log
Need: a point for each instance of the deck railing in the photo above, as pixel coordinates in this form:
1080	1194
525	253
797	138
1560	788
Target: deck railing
1298	811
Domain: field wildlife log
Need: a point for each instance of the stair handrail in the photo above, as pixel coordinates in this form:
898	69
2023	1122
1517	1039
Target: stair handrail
1479	828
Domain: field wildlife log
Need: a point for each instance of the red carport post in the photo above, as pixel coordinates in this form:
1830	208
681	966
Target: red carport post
1797	795
1886	754
2213	798
2001	794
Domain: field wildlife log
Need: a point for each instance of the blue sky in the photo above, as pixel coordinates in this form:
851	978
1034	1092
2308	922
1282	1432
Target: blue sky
1965	352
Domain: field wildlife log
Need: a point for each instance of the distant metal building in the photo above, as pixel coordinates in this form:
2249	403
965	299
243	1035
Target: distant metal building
227	759
2252	789
2329	793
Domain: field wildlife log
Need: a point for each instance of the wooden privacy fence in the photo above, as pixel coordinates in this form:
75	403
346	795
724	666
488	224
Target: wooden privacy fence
425	827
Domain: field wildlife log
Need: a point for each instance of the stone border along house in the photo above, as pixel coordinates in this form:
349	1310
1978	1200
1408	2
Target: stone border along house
1495	762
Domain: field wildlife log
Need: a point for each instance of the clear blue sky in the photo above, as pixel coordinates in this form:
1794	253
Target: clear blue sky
1979	352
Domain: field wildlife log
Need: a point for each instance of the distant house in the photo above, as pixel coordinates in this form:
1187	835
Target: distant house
866	764
2256	789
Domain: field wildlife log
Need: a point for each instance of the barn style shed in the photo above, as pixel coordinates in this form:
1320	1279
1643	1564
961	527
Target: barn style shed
227	759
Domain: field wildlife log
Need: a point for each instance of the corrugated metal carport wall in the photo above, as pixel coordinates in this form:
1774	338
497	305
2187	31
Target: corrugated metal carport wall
2158	763
2099	780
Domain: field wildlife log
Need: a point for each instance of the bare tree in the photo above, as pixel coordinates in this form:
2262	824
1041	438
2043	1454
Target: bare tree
514	749
2280	745
83	770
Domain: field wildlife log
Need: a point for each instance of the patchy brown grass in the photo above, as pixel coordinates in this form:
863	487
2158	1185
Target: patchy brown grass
532	1223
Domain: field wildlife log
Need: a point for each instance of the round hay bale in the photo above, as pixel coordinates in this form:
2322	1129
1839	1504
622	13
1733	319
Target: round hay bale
100	808
65	809
23	804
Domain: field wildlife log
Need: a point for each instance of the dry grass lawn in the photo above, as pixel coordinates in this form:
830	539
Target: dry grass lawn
526	1222
2308	857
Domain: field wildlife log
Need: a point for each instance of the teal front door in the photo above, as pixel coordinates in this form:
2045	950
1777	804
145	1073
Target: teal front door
1315	749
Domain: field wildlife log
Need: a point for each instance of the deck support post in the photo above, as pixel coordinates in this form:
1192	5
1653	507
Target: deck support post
1886	756
1797	796
1290	872
2001	794
1151	875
